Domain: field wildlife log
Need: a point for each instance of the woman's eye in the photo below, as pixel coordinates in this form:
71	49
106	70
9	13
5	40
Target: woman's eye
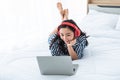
68	35
62	35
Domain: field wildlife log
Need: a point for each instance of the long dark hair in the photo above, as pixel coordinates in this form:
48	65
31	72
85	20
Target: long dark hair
60	41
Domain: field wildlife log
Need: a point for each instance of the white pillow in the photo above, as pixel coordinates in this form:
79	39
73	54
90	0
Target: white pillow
97	21
118	24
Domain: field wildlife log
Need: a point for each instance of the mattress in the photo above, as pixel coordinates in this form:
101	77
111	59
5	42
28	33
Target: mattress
100	61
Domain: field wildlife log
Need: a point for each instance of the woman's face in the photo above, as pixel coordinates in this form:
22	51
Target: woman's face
66	35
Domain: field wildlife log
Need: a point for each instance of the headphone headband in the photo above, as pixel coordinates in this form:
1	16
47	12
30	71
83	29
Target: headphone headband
77	30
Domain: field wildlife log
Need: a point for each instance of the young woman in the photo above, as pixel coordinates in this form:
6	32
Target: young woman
67	38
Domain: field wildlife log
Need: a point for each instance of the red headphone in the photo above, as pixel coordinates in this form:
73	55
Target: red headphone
77	30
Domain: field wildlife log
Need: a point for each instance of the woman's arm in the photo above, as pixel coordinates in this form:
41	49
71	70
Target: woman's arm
55	50
75	48
54	31
71	51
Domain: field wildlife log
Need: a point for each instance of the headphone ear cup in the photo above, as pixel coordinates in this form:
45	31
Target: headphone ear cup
77	32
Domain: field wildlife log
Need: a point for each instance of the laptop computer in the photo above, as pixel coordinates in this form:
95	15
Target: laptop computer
56	65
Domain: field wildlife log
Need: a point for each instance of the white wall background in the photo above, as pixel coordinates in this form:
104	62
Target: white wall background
26	22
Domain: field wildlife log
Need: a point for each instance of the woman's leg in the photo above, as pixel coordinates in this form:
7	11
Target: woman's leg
60	8
65	14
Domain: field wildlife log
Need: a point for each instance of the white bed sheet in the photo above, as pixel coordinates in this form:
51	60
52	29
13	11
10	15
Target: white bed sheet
100	62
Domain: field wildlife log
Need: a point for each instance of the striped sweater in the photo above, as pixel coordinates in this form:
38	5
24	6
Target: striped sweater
78	46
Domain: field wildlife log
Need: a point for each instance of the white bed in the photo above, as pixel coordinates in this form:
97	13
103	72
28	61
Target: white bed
100	62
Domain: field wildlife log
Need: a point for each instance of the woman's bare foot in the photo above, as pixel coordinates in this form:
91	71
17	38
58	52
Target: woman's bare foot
60	8
65	14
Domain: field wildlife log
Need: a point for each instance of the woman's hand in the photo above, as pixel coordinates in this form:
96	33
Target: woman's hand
71	51
72	42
